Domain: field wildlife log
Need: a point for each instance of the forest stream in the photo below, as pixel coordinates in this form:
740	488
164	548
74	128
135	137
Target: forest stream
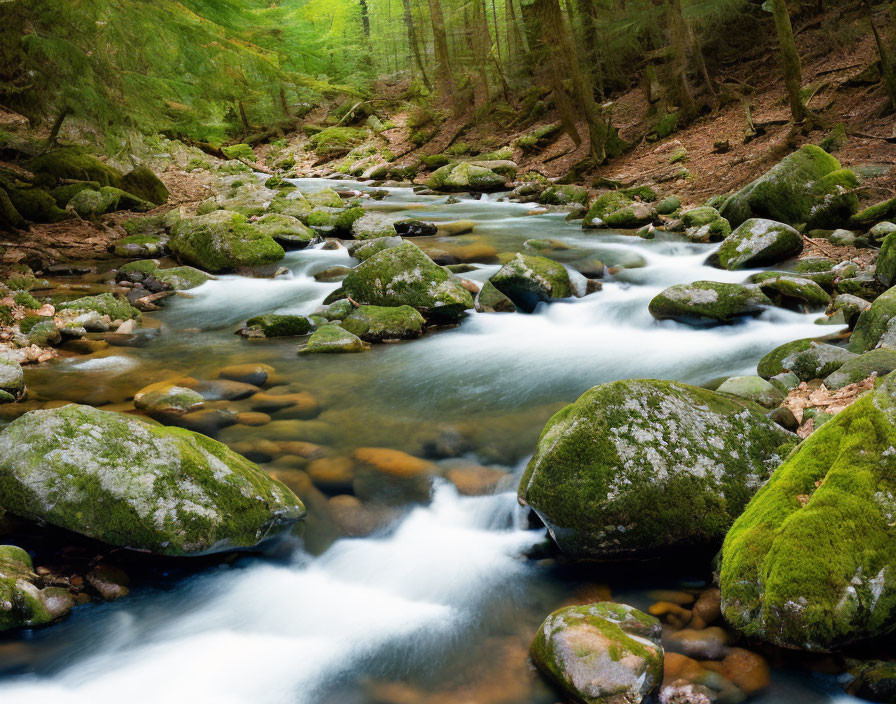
439	603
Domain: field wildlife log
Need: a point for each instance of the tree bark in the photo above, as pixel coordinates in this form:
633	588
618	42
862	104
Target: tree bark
886	62
365	18
444	78
415	45
793	71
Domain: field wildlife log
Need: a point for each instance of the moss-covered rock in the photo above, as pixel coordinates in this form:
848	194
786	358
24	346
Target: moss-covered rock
10	218
794	191
125	482
23	604
879	232
36	204
885	271
76	165
880	362
528	280
807	564
276	325
752	388
794	292
603	205
365	250
144	184
491	300
333	141
705	224
222	242
875	323
377	323
63	194
634	467
836	200
631	216
149	245
819	360
759	242
104	304
604	653
166	399
374	225
708	302
12	379
465	177
177	278
404	275
668	205
332	339
874	214
874	681
343	222
91	204
285	230
564	195
324	198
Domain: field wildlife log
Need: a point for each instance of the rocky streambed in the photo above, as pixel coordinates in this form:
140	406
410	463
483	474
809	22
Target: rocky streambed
399	384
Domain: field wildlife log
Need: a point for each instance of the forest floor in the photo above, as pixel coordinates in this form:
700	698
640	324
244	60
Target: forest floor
831	70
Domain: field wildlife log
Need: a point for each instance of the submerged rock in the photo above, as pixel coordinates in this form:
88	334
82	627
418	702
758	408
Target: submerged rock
129	483
705	302
23	604
758	243
635	467
404	275
528	280
604	653
807	565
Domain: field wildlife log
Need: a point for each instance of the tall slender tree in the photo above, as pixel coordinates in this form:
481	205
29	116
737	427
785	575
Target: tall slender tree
414	43
444	76
793	71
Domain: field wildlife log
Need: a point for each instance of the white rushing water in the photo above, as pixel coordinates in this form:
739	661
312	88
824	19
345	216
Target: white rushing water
276	633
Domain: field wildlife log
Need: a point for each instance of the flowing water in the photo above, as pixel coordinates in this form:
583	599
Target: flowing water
439	604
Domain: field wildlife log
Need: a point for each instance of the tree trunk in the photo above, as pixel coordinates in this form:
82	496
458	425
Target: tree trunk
886	62
415	45
793	72
365	19
444	78
681	88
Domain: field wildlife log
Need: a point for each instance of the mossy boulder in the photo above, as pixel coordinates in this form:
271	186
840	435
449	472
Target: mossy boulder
879	232
752	388
880	362
705	224
223	242
91	204
144	184
819	360
795	191
36	205
603	653
177	278
332	141
528	280
874	681
365	250
23	603
708	302
491	300
781	359
794	292
463	176
876	324
148	245
125	482
635	467
104	304
63	194
343	222
285	230
10	218
372	226
278	325
631	216
404	275
324	198
76	165
807	564
564	195
759	242
875	213
164	400
603	205
378	323
332	339
885	271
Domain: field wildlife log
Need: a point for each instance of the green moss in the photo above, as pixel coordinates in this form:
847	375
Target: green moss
616	473
10	218
326	198
75	164
876	213
795	292
342	223
528	280
332	339
404	275
274	325
781	359
26	300
141	246
465	177
239	151
805	565
104	304
63	194
36	204
223	242
874	323
378	323
564	195
144	184
704	302
287	231
757	243
337	140
603	205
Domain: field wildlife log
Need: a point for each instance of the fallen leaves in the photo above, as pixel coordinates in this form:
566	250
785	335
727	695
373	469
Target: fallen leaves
816	395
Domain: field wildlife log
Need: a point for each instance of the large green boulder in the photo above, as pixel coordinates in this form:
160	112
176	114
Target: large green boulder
875	213
759	242
10	218
146	185
36	204
285	230
880	362
782	358
372	226
378	323
564	195
808	564
876	324
603	653
465	177
222	241
332	339
132	484
324	198
796	292
404	275
279	325
23	604
91	204
104	304
795	191
528	280
603	205
76	165
819	360
752	388
635	467
177	278
705	224
885	271
708	302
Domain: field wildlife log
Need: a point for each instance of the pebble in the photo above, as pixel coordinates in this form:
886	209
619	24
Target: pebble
254	374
